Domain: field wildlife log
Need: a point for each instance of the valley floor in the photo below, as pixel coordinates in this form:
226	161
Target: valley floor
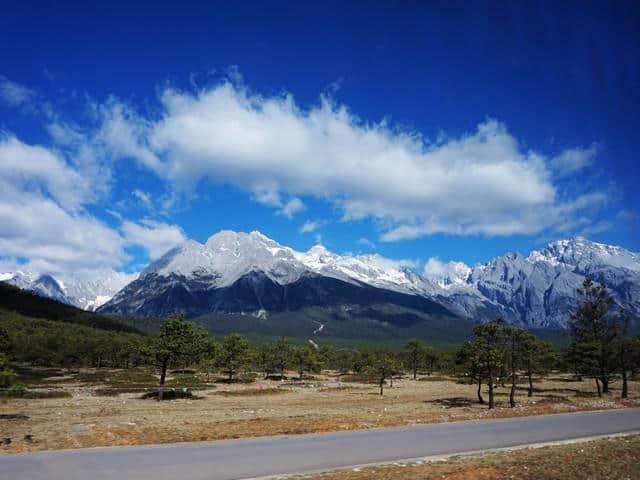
94	413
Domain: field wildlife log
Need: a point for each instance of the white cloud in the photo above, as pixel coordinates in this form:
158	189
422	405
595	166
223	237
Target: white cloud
52	238
13	94
155	237
43	216
366	242
115	214
389	263
598	227
438	271
292	207
482	182
144	197
34	168
311	226
123	133
572	160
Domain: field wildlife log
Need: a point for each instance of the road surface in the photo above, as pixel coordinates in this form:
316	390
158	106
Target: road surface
236	459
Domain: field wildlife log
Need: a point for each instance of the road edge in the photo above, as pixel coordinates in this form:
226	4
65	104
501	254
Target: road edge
447	456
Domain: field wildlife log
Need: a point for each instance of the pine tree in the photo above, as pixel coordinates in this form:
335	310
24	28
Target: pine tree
178	339
233	354
595	334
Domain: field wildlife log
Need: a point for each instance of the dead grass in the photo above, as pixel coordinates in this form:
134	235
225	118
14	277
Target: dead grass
264	408
251	392
615	458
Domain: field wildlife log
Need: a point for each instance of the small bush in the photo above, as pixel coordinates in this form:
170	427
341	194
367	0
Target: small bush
18	391
434	378
359	378
170	394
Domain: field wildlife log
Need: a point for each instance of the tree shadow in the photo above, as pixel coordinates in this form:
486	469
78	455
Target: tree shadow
171	394
550	398
452	402
578	393
581	394
13	416
226	381
564	379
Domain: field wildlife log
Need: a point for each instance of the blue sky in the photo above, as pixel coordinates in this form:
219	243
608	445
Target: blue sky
451	131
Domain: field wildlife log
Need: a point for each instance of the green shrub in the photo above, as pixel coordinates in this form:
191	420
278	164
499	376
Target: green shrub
7	375
18	391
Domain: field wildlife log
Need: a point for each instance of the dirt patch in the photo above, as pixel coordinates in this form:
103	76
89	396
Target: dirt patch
250	392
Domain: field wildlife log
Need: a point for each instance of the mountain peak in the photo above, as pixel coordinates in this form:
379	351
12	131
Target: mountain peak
259	234
580	252
231	238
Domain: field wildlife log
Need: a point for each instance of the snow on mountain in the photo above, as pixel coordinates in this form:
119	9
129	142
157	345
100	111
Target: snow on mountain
228	256
91	293
538	290
19	278
585	255
85	293
373	270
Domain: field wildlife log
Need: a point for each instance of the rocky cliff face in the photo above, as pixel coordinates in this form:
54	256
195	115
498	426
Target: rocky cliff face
540	290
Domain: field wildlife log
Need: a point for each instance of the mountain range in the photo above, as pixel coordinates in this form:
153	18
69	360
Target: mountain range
81	292
251	274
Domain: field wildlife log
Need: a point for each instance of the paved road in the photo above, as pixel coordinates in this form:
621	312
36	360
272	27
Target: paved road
236	459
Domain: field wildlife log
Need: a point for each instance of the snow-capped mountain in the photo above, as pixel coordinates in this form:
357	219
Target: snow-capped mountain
540	290
85	293
248	272
235	272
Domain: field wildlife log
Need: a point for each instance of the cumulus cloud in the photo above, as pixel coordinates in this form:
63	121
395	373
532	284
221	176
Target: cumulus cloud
36	168
14	94
482	182
572	160
44	217
155	237
53	239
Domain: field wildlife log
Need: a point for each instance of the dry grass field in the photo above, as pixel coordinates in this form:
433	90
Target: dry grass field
103	408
